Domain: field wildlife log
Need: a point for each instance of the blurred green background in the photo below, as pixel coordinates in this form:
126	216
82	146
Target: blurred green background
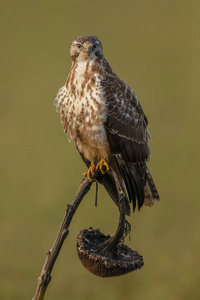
155	47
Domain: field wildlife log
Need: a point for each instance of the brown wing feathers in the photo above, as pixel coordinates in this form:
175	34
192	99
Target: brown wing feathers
128	139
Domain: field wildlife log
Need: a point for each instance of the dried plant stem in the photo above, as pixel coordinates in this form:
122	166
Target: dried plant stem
108	247
45	275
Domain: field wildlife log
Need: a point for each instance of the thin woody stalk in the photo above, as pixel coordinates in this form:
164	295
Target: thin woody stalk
53	253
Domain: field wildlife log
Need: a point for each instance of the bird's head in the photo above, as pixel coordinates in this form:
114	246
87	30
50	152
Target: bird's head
86	47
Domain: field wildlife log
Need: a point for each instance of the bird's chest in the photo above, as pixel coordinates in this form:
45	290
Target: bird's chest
86	108
82	108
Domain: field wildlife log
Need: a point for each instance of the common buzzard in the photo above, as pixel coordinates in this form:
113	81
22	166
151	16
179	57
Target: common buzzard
104	118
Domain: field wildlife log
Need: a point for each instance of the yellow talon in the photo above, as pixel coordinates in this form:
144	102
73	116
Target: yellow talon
91	172
103	166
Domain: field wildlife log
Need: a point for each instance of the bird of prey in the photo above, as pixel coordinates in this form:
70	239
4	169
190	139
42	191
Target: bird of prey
104	118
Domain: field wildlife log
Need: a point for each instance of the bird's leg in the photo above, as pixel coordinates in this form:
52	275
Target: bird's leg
102	166
91	172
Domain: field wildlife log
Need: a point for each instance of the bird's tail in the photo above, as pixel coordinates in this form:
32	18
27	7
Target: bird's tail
150	192
139	183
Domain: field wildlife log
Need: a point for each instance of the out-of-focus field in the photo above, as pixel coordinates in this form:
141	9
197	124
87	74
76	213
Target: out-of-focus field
154	46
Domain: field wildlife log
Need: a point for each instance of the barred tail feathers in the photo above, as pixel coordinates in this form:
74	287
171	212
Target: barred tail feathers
150	191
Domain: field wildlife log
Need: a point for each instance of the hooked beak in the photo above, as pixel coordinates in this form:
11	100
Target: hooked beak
88	49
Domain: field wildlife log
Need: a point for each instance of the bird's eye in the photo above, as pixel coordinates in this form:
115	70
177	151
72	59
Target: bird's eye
94	47
79	46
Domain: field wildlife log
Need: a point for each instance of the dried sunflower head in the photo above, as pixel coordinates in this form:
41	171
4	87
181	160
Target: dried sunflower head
121	261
